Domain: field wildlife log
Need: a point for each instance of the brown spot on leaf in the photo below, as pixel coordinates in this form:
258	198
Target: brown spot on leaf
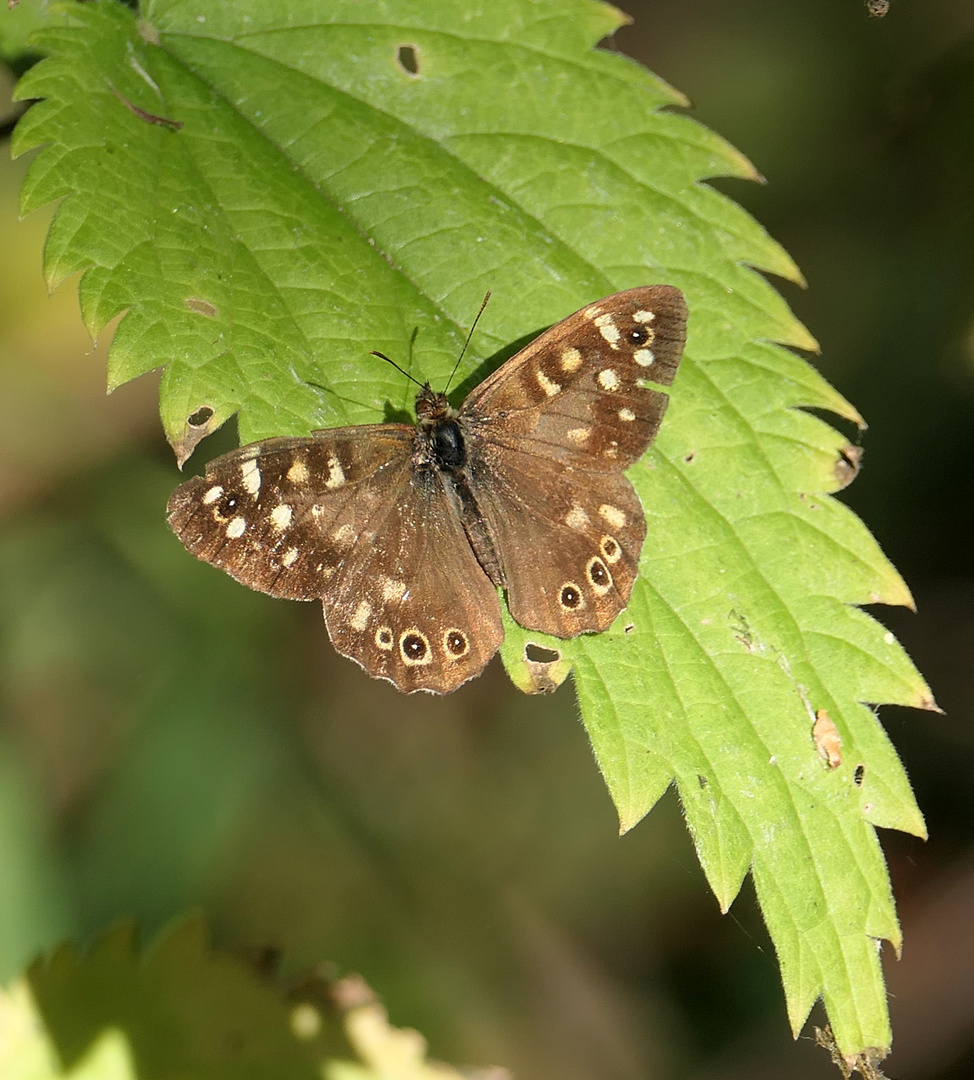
201	307
848	465
827	740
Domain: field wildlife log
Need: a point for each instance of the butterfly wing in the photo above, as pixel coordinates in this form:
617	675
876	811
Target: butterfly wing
412	603
344	516
548	437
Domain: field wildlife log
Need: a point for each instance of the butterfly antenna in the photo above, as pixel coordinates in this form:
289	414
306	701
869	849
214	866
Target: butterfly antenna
467	342
382	356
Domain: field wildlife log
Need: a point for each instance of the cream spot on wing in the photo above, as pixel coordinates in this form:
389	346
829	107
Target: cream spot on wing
298	473
250	475
608	329
644	357
627	414
608	379
612	450
344	534
392	589
592	312
576	518
317	510
236	528
212	495
613	515
571	360
281	516
643	316
549	386
360	619
336	474
290	557
578	435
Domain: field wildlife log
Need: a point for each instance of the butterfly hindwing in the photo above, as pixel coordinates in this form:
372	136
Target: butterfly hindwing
568	542
411	603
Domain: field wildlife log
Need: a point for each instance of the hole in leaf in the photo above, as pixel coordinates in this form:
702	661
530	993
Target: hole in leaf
858	775
538	654
408	58
201	417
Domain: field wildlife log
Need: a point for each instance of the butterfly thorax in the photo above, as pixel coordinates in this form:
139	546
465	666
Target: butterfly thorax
439	438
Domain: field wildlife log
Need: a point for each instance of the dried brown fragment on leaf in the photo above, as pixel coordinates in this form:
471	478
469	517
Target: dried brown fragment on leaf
865	1063
542	670
201	307
848	465
828	742
197	426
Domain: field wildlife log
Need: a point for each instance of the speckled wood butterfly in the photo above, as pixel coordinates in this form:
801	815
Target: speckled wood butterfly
405	533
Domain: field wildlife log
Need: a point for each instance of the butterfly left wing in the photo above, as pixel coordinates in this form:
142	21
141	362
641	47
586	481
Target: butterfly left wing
264	512
344	516
548	437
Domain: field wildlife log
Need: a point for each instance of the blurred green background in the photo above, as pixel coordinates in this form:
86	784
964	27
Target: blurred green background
169	740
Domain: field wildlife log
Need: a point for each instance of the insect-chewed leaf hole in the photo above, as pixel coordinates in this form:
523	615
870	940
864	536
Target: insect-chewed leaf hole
538	654
202	416
857	776
407	56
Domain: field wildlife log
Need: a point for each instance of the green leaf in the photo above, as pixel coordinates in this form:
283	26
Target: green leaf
181	1009
266	192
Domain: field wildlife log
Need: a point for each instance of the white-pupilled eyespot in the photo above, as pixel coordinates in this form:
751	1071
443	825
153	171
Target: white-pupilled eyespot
414	648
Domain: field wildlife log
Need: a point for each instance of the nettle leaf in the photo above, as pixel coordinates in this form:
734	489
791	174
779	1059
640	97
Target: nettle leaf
180	1008
266	192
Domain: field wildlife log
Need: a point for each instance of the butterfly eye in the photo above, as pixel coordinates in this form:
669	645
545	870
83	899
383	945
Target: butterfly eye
638	335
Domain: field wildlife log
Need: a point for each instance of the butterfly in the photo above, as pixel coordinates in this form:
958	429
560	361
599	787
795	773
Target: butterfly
406	532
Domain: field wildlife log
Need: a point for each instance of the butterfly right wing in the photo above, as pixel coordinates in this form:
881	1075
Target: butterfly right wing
345	516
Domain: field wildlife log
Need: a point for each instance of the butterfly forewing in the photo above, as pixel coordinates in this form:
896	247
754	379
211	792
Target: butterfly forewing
579	392
272	513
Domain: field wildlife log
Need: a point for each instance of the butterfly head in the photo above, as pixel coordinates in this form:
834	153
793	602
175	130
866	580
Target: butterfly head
432	407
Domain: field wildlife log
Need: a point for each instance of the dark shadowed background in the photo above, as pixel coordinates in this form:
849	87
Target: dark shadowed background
168	739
